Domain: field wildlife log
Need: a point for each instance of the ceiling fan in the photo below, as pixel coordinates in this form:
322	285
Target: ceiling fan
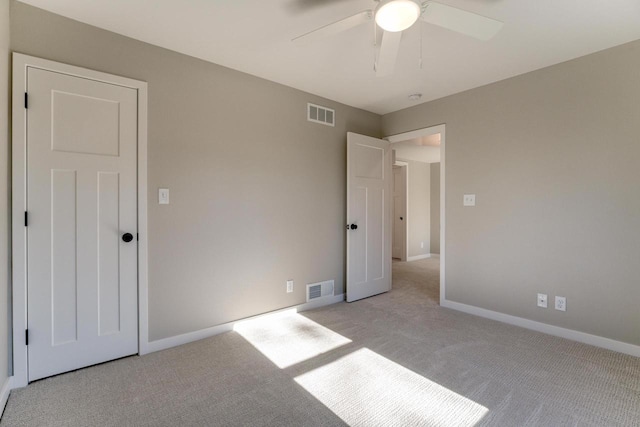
395	16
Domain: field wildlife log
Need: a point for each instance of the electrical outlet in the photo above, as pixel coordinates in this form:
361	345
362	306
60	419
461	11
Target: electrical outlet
561	303
289	286
542	300
469	200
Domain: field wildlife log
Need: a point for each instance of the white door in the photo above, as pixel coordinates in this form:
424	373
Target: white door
399	215
81	200
368	216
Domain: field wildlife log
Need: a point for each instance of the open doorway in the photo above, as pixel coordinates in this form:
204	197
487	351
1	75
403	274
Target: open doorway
416	228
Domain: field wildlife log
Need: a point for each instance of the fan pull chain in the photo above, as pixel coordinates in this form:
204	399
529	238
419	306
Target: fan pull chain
420	61
375	44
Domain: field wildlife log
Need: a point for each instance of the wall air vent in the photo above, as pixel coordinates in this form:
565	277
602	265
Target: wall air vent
322	115
316	291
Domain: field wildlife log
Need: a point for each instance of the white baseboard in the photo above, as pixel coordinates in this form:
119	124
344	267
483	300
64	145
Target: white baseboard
417	257
4	395
570	334
226	327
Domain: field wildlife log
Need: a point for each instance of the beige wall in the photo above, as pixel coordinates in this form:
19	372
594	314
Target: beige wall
553	158
257	192
435	208
419	208
5	311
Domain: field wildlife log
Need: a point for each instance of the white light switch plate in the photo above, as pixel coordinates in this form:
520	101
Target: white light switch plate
469	200
163	196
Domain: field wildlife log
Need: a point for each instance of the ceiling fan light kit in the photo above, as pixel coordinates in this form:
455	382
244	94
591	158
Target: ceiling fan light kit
397	15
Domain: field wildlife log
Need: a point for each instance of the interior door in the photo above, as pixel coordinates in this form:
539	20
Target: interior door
82	221
369	199
399	215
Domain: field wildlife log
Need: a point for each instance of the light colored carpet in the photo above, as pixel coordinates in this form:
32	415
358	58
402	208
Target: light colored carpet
394	359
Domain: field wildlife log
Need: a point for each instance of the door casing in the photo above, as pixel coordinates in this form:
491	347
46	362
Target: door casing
405	225
21	64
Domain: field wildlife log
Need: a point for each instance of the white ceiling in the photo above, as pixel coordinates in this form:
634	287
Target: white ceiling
254	36
425	149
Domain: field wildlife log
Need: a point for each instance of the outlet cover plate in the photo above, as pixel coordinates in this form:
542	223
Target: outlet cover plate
469	200
561	303
289	286
542	300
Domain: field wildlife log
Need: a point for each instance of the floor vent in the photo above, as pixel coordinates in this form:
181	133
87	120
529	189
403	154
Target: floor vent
322	115
319	290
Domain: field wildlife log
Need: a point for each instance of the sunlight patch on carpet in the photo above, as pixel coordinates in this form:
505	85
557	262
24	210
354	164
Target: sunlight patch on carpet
289	338
365	388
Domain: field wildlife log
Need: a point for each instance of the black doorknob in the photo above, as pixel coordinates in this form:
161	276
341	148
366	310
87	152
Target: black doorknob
401	218
127	237
354	226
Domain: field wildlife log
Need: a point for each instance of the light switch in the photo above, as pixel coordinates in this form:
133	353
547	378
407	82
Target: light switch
163	196
469	200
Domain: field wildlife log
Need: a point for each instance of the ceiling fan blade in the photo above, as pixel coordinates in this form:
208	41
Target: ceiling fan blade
388	53
298	6
335	28
461	21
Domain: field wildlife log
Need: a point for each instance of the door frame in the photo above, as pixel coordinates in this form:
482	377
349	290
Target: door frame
405	166
418	133
21	64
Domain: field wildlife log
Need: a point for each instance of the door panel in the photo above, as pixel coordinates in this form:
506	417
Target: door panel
376	234
368	161
357	242
64	284
369	208
108	253
93	136
81	197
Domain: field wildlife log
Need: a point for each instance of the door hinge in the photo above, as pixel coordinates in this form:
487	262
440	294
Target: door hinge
137	236
26	100
26	218
26	336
